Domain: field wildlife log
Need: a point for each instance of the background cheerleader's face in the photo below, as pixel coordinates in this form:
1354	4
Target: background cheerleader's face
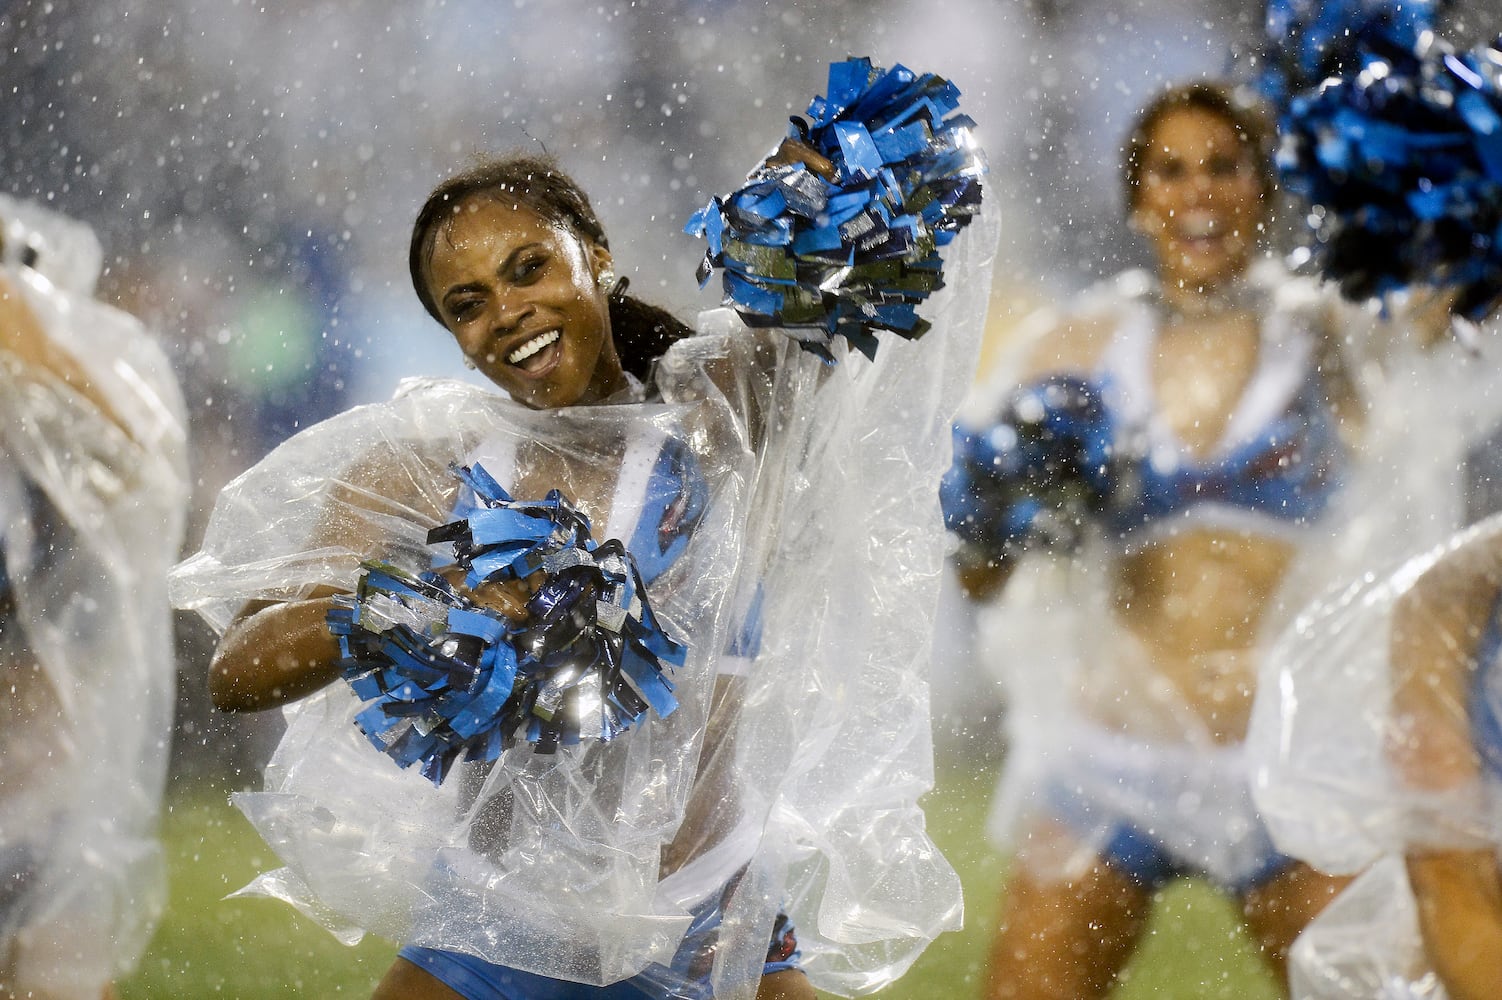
1199	199
521	296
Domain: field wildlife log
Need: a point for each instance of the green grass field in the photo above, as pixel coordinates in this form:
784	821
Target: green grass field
255	948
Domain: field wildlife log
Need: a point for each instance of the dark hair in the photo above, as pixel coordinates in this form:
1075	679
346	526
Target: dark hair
641	332
1244	115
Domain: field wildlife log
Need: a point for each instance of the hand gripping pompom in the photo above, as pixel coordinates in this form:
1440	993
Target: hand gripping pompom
1037	476
446	677
1400	160
845	240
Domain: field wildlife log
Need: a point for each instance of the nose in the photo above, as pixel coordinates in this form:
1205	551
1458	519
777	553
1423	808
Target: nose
1201	186
509	307
503	315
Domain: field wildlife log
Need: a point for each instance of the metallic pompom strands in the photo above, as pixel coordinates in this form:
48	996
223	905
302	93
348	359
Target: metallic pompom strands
448	678
1400	161
1310	41
844	240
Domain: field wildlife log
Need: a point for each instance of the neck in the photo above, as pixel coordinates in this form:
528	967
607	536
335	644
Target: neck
606	384
1182	300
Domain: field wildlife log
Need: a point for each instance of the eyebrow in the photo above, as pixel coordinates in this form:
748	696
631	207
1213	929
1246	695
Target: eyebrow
475	286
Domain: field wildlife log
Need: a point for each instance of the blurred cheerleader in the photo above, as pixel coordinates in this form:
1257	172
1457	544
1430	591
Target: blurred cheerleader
1191	437
92	495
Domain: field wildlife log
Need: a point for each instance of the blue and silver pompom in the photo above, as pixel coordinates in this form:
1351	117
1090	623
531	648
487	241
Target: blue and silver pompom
1038	476
1400	161
448	678
838	232
1310	41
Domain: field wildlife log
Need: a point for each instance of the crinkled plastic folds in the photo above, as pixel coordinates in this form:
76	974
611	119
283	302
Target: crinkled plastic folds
1325	733
1365	944
797	789
95	491
1064	658
1371	745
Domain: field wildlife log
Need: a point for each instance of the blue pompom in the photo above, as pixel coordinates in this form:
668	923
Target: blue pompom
1400	160
1039	475
845	241
1310	41
447	678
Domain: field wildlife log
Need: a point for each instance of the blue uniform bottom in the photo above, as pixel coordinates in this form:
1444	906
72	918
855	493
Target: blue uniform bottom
476	979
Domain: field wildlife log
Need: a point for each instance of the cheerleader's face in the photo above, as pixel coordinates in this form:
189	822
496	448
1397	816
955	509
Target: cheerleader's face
522	297
1199	200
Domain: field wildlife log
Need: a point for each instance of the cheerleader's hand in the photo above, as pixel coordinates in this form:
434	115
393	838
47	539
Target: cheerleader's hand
506	598
795	151
1430	313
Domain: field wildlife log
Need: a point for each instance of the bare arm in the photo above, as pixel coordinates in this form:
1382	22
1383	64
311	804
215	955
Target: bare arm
24	339
1460	914
1053	347
1435	630
1436	627
276	652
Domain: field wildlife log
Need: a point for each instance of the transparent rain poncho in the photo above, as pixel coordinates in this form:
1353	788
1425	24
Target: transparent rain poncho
788	776
1117	718
93	487
1378	739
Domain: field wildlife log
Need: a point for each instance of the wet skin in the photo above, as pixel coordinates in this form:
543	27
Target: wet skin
522	297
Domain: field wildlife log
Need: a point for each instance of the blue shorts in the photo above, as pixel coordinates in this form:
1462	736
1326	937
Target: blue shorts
1150	863
476	979
1143	858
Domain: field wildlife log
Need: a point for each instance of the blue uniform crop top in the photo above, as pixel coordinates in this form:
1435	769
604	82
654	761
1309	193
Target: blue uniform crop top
1277	464
1072	449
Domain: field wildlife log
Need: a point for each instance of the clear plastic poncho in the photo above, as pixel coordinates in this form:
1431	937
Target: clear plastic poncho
788	776
1323	712
1377	739
93	489
1098	732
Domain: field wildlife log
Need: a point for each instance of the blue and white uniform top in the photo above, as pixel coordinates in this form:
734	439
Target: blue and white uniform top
1276	465
659	500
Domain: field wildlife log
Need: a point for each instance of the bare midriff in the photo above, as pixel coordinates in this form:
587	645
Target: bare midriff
1195	605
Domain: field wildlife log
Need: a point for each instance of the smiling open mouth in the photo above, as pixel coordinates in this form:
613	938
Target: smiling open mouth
1200	226
532	346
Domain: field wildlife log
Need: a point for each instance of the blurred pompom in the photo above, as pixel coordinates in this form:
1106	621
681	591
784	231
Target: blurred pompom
838	231
1400	160
447	677
1037	476
1309	41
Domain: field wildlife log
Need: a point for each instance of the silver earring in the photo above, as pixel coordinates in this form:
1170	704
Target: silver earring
469	363
606	278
